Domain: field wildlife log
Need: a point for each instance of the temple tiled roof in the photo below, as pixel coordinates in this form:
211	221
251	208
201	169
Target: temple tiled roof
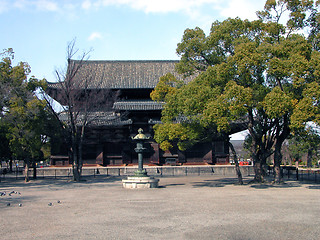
122	74
138	105
97	119
154	121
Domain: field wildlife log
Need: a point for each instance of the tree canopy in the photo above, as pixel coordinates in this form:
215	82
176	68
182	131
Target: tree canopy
23	117
263	73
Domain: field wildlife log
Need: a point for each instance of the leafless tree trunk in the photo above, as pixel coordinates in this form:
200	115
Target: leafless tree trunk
26	171
34	166
81	102
235	158
309	158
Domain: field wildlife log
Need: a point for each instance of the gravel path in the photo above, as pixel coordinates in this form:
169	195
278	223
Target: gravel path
204	207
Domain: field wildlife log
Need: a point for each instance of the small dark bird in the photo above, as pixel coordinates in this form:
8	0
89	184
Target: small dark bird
8	204
20	204
2	194
50	204
11	192
58	201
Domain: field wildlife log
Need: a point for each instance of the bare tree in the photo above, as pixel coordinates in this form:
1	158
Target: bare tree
83	101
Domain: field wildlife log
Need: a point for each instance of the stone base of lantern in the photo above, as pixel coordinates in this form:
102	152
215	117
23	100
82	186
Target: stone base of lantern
140	182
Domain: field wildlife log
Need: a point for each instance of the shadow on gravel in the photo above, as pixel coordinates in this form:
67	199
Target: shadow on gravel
272	185
216	183
173	184
15	201
247	182
58	182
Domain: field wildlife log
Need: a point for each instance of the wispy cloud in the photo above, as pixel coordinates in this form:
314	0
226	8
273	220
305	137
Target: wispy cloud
86	4
194	9
47	5
241	8
42	5
228	8
4	6
199	11
94	36
151	6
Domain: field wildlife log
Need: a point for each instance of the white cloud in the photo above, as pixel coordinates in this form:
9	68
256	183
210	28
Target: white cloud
20	4
86	4
42	5
4	6
46	5
198	10
95	35
201	12
245	9
157	6
228	8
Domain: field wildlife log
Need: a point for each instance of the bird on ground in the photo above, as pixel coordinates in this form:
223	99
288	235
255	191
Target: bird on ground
20	204
50	204
8	204
58	201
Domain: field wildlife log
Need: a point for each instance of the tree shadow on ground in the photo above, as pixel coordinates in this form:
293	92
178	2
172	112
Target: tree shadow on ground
248	182
14	202
57	182
274	185
216	183
172	185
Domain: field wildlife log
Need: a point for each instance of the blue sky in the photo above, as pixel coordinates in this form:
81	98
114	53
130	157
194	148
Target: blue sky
39	30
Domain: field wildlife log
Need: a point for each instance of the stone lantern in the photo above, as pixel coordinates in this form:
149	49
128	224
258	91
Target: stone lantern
140	178
140	138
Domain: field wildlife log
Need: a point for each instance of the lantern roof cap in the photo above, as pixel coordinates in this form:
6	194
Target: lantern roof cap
140	135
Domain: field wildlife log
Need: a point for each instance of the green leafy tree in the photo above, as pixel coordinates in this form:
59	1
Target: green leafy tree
305	142
26	131
5	153
254	72
23	115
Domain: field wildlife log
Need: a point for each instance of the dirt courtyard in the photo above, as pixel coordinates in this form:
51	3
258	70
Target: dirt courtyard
206	207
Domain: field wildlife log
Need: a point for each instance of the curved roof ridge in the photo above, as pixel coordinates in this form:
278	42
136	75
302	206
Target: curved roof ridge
123	61
123	74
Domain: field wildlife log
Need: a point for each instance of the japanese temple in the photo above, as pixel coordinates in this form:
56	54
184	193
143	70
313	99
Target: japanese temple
108	139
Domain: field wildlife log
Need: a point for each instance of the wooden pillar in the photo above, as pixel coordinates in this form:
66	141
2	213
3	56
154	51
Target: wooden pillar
181	156
214	157
155	157
126	154
99	158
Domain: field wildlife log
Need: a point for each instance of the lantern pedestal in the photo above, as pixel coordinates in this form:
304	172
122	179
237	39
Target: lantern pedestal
140	182
140	178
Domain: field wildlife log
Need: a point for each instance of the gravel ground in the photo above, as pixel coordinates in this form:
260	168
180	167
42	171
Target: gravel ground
181	208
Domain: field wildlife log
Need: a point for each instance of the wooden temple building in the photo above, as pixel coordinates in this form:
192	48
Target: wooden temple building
108	141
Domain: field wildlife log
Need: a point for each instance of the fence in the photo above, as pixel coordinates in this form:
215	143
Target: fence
299	174
312	175
159	171
288	173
